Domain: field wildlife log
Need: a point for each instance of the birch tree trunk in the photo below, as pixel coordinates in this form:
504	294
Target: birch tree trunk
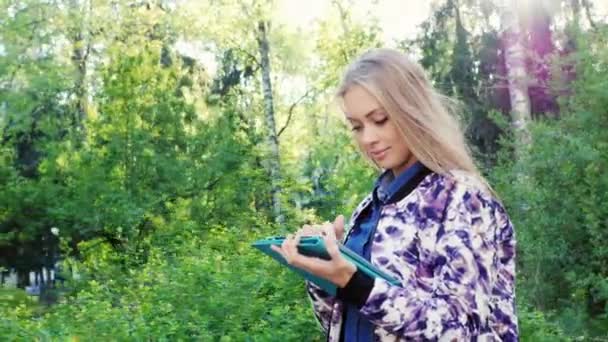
516	72
274	164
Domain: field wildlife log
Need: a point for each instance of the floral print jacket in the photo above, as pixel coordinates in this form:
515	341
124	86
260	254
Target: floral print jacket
452	246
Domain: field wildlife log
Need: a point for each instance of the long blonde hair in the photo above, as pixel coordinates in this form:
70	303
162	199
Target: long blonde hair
425	118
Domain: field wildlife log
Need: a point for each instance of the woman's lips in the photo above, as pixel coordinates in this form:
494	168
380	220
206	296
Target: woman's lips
380	154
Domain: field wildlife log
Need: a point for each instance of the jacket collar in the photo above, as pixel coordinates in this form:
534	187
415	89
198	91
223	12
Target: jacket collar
390	189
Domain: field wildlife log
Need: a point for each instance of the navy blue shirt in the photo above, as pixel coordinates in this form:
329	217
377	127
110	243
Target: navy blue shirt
387	189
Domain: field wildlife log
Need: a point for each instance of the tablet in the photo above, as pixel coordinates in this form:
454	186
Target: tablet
314	246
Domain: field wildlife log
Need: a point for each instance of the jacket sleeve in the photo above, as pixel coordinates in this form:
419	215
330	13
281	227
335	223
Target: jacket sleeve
448	296
322	304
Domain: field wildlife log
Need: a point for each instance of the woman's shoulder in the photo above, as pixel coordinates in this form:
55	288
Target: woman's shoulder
456	189
474	198
466	179
457	182
461	196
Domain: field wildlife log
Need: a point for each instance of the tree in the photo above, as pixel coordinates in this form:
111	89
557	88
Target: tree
516	71
274	162
540	50
31	82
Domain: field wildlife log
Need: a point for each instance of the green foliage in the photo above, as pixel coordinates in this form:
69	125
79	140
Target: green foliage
534	325
555	197
335	178
159	191
203	291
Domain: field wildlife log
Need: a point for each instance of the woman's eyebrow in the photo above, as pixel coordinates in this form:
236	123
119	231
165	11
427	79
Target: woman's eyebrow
373	111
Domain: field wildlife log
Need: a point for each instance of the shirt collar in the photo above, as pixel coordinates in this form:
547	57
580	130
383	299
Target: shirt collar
388	187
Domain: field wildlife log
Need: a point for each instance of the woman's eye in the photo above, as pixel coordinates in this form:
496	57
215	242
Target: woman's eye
382	121
356	128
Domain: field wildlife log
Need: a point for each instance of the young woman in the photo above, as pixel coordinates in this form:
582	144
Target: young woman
431	221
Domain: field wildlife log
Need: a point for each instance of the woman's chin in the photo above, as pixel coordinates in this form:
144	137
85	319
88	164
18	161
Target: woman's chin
383	164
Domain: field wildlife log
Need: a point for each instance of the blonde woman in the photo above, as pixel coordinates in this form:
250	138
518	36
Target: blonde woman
431	221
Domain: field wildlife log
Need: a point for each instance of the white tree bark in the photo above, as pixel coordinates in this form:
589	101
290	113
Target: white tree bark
516	71
274	164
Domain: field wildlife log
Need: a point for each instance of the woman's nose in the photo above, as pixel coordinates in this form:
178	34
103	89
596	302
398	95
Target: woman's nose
370	135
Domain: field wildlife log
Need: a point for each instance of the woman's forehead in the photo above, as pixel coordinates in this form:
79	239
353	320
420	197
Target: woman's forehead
359	103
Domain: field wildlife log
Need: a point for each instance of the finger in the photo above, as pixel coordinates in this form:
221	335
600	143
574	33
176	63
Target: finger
303	230
327	223
328	228
339	226
319	228
292	251
330	242
314	265
288	243
293	246
310	231
278	250
285	243
288	248
296	241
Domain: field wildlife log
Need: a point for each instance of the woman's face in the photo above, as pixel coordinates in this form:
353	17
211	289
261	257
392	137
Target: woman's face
376	134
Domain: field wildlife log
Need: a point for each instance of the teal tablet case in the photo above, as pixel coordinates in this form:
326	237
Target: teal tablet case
315	246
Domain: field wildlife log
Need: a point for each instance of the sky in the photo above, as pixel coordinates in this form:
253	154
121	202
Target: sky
302	13
398	18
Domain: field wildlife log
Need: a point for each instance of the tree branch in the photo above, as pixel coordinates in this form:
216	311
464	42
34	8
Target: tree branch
213	183
250	55
587	7
291	108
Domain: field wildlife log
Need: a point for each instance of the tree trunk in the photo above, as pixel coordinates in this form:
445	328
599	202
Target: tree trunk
273	141
587	5
516	73
541	48
576	12
80	55
23	278
343	17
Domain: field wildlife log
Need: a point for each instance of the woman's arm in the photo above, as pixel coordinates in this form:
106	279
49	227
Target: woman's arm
448	296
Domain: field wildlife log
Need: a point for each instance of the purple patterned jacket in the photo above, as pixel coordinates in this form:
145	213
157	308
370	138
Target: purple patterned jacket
452	246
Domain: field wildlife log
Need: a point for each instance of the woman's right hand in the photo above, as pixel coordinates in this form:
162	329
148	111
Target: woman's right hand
337	269
317	229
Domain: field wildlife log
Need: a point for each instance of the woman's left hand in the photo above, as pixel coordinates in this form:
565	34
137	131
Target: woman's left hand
337	270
